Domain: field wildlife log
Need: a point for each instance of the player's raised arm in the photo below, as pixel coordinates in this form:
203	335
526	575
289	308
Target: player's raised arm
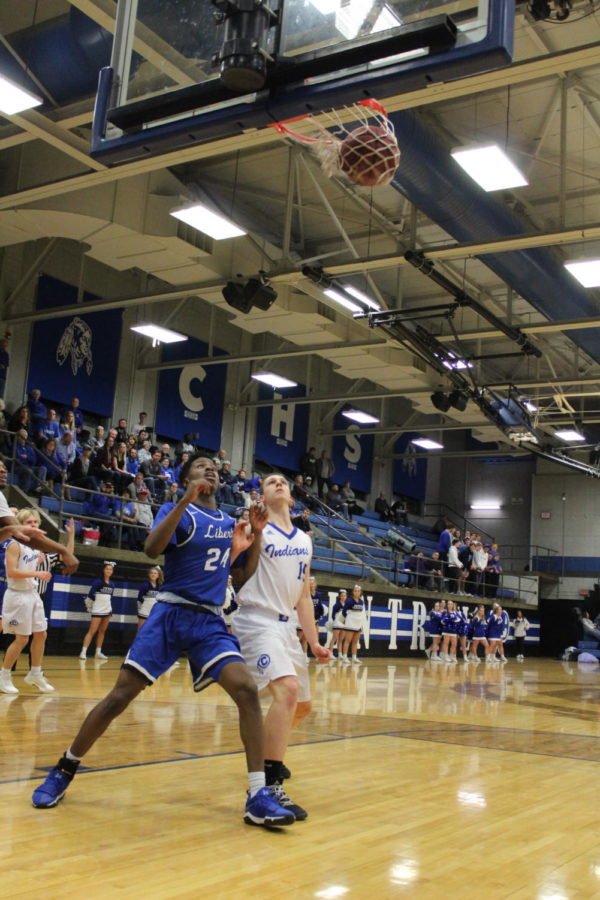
37	539
258	519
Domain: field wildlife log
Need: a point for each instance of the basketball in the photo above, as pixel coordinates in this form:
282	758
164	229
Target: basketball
369	155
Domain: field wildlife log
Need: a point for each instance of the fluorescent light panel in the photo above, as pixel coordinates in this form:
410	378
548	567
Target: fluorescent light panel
529	406
158	333
569	434
486	504
586	271
358	416
14	99
273	380
427	444
490	167
343	301
362	297
208	221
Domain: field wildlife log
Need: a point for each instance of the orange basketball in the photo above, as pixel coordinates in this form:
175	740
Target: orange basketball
369	155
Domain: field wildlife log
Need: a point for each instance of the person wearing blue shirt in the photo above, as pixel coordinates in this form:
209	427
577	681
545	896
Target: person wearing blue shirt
26	462
102	509
198	542
77	414
444	543
48	428
37	409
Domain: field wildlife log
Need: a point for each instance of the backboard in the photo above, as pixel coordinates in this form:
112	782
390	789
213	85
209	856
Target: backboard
189	71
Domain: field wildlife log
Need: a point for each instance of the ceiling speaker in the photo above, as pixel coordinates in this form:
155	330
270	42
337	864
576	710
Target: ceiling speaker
440	401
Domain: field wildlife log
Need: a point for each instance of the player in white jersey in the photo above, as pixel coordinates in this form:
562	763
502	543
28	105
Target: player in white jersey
23	611
272	582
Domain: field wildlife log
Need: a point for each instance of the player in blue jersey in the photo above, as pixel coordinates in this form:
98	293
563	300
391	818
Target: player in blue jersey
198	541
273	581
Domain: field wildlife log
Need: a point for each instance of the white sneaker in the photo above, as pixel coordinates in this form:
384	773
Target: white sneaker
452	659
503	659
39	681
356	661
6	685
489	658
428	652
101	655
345	661
435	657
83	654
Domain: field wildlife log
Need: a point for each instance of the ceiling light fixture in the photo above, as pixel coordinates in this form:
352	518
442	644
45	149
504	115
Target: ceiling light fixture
13	99
204	219
159	334
486	504
569	435
586	271
358	295
343	301
358	416
490	167
427	444
273	380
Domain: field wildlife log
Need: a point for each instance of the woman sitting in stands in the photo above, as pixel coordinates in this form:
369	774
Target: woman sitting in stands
67	423
50	461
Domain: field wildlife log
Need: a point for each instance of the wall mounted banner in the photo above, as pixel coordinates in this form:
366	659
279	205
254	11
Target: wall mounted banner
190	399
74	356
410	473
281	431
352	454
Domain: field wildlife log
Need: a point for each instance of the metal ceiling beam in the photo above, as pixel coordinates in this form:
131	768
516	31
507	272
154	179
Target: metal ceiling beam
541	67
251	357
43	129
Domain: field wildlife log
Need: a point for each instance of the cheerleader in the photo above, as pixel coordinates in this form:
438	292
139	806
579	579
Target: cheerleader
433	627
147	594
354	616
99	604
462	630
318	608
450	622
230	606
495	630
505	630
477	633
337	621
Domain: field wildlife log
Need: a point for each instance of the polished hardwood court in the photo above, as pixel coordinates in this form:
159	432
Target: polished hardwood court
421	780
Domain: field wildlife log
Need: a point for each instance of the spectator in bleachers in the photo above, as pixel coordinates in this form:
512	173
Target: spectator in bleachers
493	571
142	423
308	464
350	497
238	486
132	463
400	511
478	567
165	450
77	414
182	461
336	502
49	428
187	444
122	477
325	471
21	419
445	542
137	483
67	423
122	432
300	493
49	460
465	555
143	516
434	572
4	364
81	471
416	566
97	440
167	469
303	522
37	409
141	437
453	567
104	459
145	452
102	508
254	483
126	513
26	463
66	450
153	475
310	485
226	479
382	508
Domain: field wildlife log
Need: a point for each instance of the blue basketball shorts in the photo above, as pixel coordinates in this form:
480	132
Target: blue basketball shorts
175	630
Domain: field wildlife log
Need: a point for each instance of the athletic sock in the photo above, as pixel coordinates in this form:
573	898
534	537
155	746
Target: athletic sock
36	670
71	756
273	773
256	781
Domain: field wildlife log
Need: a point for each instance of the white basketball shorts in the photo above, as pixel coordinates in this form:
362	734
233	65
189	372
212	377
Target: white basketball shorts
271	649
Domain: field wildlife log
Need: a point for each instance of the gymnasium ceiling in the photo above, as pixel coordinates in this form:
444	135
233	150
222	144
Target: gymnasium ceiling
545	109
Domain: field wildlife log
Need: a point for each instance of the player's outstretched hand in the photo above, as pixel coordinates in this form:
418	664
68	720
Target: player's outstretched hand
321	654
259	515
43	576
241	540
24	533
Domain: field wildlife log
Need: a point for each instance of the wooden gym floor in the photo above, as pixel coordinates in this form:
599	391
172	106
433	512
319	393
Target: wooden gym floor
421	780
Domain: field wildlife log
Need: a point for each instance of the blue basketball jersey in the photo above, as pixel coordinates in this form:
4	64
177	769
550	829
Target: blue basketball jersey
198	556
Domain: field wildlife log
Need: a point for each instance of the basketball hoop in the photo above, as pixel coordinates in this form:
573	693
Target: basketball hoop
367	154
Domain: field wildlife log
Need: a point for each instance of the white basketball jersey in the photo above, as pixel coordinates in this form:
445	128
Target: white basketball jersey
279	578
28	561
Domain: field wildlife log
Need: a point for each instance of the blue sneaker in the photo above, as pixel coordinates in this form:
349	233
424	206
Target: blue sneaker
263	809
52	789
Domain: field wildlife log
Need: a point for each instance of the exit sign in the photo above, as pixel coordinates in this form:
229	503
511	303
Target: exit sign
545	515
